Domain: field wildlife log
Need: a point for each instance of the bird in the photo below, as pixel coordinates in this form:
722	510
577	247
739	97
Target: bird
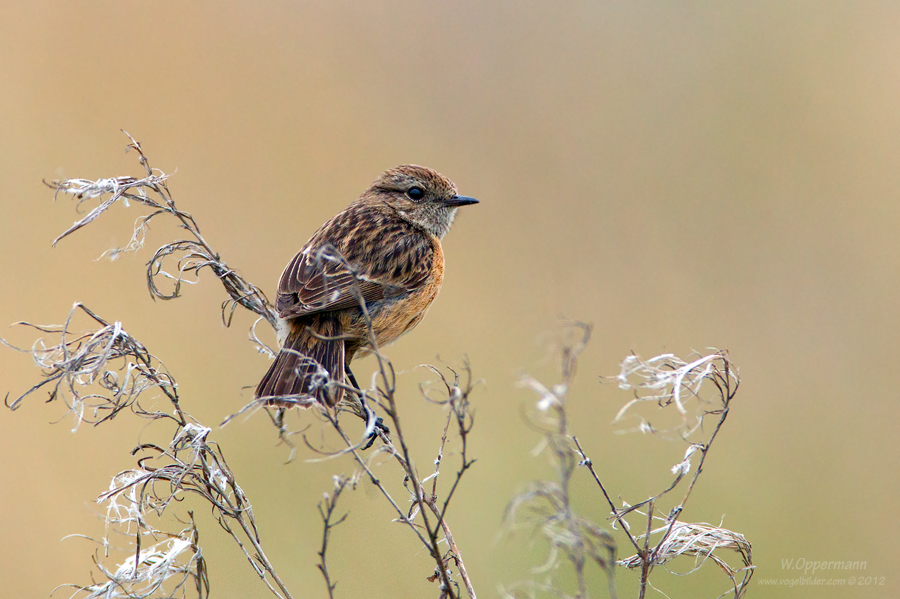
368	274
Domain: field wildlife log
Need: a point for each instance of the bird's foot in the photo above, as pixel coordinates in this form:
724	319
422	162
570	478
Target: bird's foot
379	429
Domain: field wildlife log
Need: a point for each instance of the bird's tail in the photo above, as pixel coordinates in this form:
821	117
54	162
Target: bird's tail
311	360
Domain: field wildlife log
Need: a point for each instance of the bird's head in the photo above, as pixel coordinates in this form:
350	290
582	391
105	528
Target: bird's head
419	195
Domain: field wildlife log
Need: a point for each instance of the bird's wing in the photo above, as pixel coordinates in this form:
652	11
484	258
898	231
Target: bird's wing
354	256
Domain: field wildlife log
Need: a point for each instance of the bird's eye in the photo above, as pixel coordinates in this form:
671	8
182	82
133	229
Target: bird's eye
415	193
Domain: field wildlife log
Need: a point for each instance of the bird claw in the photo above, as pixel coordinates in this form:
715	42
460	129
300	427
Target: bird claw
380	429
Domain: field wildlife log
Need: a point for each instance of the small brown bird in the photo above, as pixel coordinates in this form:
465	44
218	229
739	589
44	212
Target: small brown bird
385	250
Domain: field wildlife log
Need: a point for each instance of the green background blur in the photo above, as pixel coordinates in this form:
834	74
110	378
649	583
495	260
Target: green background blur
683	175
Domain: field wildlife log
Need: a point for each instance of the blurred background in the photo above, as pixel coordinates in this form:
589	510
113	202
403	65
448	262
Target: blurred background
683	175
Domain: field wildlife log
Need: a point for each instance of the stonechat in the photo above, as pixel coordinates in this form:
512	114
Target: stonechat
373	269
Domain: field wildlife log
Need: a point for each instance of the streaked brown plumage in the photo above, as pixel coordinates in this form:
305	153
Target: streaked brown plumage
386	247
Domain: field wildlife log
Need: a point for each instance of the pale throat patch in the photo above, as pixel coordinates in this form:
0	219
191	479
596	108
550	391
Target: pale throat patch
436	220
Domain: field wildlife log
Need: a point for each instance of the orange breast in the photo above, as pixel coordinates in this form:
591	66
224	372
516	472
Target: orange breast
400	316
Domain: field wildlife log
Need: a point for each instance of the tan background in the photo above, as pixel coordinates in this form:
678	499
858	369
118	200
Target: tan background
682	176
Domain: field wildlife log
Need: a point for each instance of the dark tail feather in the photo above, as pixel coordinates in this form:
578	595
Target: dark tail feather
306	365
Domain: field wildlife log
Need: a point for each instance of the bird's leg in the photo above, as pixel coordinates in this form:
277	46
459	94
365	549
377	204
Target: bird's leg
373	422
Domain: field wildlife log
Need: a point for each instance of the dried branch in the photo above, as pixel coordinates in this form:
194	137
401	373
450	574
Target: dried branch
668	381
701	541
672	385
326	510
101	371
190	465
190	255
164	569
163	563
107	357
383	395
429	533
548	504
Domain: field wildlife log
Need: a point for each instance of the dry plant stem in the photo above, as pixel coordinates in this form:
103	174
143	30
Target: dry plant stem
431	541
647	563
389	405
206	472
143	579
375	480
457	555
432	501
464	429
197	252
458	409
326	510
88	357
406	464
387	393
586	461
569	535
421	502
724	385
567	467
262	558
260	561
92	358
666	379
663	380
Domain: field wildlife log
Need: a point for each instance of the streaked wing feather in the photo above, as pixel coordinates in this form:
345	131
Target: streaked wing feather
390	259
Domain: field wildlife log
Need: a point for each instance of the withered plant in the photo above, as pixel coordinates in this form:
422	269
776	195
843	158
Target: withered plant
697	395
98	370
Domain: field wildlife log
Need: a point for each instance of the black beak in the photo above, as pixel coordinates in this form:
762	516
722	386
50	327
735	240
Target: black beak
457	201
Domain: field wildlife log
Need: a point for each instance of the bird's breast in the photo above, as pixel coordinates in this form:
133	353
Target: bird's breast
395	316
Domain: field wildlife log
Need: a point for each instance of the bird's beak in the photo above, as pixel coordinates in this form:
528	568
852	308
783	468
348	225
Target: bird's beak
457	201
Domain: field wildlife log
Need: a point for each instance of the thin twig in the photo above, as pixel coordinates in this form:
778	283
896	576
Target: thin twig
326	510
